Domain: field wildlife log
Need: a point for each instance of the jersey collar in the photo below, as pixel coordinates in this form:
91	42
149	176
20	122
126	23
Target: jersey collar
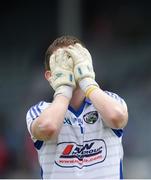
80	110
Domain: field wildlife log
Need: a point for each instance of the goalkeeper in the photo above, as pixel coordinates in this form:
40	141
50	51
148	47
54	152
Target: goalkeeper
79	134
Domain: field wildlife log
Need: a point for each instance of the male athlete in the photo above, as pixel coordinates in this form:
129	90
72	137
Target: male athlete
78	135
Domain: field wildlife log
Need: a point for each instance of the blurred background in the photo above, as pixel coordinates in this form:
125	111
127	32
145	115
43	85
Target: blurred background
118	35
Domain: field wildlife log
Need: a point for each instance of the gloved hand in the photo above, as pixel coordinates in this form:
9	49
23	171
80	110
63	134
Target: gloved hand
83	67
62	77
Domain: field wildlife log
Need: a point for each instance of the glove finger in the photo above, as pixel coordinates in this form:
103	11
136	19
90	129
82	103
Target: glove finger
60	60
68	62
84	51
79	47
72	52
59	55
52	62
85	54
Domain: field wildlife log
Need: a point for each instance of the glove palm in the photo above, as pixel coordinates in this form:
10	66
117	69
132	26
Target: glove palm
82	62
83	67
62	77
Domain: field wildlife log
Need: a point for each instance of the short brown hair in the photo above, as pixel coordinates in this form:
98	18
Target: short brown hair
60	42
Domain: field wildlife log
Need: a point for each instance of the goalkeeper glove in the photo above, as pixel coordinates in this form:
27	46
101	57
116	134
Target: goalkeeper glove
62	77
83	68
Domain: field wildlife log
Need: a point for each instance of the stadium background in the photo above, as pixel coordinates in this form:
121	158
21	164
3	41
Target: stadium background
118	35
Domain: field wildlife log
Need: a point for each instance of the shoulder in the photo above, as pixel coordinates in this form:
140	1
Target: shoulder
36	110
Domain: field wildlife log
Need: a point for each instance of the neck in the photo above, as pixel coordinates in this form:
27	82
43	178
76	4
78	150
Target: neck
77	98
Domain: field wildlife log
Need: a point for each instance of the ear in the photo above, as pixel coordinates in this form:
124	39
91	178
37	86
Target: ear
47	74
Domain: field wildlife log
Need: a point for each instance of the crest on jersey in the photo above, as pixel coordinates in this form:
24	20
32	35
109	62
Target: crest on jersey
91	117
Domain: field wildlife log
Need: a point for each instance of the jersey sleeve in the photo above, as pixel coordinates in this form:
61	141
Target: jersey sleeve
117	132
33	113
117	97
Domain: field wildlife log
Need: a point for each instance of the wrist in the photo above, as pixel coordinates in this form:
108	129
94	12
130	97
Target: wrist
90	90
61	99
65	91
88	85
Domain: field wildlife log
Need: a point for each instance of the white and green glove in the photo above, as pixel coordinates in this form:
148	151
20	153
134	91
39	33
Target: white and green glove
62	77
83	67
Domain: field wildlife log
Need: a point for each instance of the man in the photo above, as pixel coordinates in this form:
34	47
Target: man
78	135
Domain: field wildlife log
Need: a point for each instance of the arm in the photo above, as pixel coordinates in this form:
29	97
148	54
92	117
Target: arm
61	79
114	113
48	124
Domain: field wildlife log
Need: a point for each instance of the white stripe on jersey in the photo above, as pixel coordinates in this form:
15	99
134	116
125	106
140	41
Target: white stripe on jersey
82	150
